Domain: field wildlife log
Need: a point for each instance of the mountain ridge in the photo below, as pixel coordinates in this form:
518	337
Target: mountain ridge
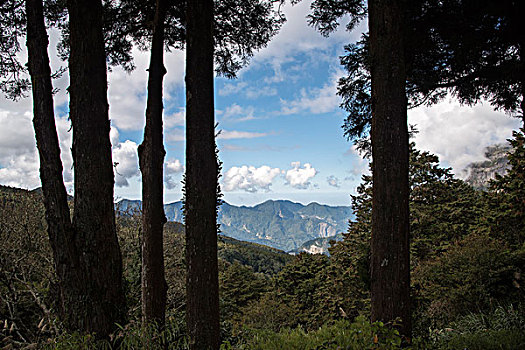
280	224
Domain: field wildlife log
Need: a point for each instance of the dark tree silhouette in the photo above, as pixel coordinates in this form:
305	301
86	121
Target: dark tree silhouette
59	229
85	248
151	158
100	300
202	292
470	49
389	265
390	268
240	29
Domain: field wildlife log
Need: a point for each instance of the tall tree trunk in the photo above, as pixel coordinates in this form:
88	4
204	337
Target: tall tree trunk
202	292
390	268
151	156
59	226
101	299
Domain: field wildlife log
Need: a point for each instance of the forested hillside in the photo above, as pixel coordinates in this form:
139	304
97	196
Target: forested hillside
426	261
280	224
467	263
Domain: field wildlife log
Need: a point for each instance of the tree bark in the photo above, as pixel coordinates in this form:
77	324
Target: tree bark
390	268
59	226
202	292
151	159
100	301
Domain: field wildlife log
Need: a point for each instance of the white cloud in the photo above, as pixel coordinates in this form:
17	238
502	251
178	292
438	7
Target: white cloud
299	177
19	161
16	134
175	135
231	88
174	119
21	171
249	91
249	178
235	134
65	138
125	154
237	113
172	168
127	92
296	37
114	136
459	134
316	100
333	181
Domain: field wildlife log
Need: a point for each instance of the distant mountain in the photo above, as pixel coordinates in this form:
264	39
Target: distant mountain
280	224
317	245
480	173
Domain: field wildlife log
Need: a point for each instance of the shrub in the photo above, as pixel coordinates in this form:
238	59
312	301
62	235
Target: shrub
341	335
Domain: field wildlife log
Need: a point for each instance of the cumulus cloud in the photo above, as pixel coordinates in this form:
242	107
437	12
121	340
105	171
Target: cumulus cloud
175	135
127	162
19	161
126	92
299	176
296	37
238	113
21	171
459	134
174	119
316	100
333	181
249	178
172	168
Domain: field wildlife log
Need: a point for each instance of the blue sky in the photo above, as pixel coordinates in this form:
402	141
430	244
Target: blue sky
280	123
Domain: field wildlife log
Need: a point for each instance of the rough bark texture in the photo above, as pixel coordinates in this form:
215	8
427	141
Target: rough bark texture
59	226
151	159
202	292
390	269
100	301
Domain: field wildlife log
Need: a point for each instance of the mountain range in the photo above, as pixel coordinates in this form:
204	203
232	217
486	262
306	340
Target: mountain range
480	173
280	224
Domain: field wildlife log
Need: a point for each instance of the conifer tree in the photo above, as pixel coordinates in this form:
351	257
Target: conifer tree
151	157
202	286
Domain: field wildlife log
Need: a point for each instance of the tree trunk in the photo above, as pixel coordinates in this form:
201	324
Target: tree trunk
59	226
390	268
100	301
151	156
202	292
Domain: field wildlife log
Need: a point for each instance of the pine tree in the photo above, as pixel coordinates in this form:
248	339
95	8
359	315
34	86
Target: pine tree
202	286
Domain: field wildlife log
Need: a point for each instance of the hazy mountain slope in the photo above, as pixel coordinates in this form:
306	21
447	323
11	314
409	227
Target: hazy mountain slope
318	245
280	224
480	173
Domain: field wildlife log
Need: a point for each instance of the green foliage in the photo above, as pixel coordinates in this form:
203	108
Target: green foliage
473	275
507	197
238	286
503	328
341	335
282	224
488	340
480	63
467	261
261	258
133	336
26	268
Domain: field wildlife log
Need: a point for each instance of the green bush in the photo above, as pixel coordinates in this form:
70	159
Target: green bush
130	337
341	335
488	340
502	328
